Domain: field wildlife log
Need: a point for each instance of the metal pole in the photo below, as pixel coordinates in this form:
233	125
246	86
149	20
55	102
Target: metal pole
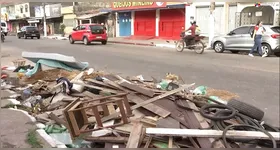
45	20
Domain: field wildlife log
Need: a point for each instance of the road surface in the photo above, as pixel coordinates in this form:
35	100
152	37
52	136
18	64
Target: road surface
255	80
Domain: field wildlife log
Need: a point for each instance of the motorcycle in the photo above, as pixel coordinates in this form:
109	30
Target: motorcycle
195	44
2	36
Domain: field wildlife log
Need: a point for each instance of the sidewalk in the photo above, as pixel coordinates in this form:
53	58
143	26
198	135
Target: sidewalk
15	126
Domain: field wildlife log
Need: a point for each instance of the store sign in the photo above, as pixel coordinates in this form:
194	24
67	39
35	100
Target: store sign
136	5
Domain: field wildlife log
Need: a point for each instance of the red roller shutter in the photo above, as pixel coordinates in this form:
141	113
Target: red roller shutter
145	23
171	23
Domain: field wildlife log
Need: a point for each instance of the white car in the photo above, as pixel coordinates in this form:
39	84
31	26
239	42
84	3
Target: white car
4	27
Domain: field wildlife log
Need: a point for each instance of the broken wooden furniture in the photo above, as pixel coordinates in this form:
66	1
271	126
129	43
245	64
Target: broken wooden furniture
78	121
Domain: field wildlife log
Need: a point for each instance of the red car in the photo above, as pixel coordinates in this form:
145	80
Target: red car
89	33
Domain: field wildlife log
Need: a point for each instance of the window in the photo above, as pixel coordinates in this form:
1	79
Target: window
276	29
21	9
22	29
3	24
26	8
82	27
96	29
242	30
78	27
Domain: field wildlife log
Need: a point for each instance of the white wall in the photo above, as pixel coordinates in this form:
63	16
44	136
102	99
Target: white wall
275	6
17	10
117	26
132	22
157	22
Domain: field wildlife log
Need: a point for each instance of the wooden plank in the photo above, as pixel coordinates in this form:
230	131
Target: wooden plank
168	123
138	89
148	142
161	96
58	120
119	140
194	124
211	133
170	142
97	88
204	124
101	83
111	83
151	107
135	135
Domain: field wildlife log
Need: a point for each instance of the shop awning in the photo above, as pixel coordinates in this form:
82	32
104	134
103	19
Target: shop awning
88	16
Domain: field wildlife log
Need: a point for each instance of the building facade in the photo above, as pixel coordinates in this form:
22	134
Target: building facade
149	19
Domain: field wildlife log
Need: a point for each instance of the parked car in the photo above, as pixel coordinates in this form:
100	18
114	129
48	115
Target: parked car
240	40
28	31
4	27
89	33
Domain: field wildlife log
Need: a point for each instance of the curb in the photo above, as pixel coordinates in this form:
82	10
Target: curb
131	43
42	133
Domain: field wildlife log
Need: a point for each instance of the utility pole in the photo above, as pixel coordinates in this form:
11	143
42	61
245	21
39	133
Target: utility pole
45	20
211	23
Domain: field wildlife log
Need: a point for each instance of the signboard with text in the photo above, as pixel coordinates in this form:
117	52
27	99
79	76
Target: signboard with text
136	5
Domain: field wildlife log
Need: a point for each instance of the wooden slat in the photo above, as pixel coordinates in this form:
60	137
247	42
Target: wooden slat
161	96
138	89
135	135
210	133
151	107
97	88
101	83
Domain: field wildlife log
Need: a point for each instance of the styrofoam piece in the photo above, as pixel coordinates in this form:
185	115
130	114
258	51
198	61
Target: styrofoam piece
14	101
64	138
102	132
40	126
77	87
48	139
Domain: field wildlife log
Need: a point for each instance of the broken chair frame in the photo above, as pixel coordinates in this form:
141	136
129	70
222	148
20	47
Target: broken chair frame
76	117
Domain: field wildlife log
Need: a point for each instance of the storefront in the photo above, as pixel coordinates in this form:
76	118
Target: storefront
145	23
137	18
124	20
171	22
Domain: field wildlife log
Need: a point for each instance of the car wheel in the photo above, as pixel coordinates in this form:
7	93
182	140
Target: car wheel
266	49
38	37
24	36
71	40
32	37
219	47
234	51
85	41
104	42
18	36
6	34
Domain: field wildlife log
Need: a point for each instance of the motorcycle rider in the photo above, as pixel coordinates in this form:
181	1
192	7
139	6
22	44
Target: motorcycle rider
193	29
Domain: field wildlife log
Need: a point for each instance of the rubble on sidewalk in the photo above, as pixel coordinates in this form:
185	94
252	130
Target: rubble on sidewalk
87	108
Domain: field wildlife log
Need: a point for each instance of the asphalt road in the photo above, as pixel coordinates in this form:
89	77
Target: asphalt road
255	80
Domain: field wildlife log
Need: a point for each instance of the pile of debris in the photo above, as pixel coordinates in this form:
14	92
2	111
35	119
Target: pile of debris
94	109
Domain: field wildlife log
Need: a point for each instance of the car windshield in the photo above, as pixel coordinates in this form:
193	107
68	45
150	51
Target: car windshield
276	29
97	29
31	28
3	24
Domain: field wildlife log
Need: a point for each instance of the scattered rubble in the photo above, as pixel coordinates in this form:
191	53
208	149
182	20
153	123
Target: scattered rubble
86	108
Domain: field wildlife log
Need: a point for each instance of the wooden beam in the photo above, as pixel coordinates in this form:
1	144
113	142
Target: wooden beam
162	96
210	133
135	135
151	107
